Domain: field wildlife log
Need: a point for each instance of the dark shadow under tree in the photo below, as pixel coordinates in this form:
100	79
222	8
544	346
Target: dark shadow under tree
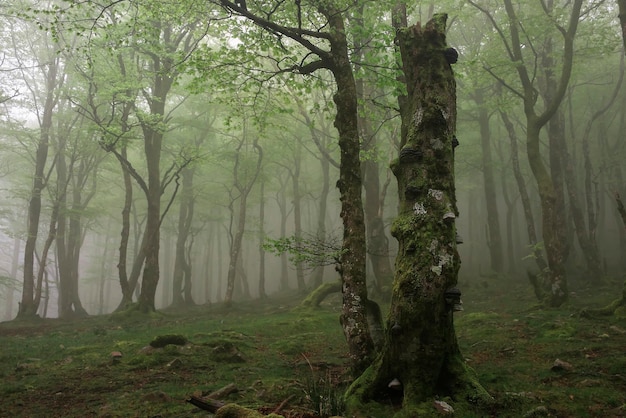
420	359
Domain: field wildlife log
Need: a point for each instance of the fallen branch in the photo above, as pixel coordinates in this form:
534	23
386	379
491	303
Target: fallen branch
282	405
210	402
211	405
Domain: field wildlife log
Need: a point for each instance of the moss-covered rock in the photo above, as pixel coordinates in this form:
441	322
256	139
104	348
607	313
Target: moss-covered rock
163	340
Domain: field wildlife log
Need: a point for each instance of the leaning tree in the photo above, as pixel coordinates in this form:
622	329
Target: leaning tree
420	358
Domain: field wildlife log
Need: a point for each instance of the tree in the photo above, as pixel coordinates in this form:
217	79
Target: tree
420	357
494	241
549	187
336	59
244	179
76	179
52	71
158	43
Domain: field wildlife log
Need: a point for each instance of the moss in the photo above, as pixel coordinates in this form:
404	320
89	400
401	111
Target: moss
620	312
476	318
318	295
163	340
296	344
133	311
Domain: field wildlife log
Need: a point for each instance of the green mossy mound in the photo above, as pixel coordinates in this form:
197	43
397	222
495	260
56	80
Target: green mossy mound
163	340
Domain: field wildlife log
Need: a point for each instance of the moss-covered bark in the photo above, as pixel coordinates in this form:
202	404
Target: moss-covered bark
320	293
420	354
352	260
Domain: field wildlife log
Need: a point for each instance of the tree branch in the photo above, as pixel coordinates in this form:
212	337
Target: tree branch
296	34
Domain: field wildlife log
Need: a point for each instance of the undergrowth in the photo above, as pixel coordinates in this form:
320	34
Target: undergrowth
294	362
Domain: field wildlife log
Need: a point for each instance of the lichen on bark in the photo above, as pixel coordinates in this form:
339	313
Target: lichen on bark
420	358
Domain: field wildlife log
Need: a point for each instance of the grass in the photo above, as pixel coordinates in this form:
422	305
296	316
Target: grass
296	359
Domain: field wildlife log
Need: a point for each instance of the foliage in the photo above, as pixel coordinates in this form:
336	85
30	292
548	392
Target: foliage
325	397
310	250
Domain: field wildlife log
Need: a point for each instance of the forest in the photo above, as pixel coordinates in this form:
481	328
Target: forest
402	178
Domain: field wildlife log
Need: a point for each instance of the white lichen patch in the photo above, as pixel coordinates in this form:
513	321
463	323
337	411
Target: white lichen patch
418	117
355	304
419	209
434	244
445	258
436	269
435	194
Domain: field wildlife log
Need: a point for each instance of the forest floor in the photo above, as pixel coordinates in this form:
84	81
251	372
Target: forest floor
276	358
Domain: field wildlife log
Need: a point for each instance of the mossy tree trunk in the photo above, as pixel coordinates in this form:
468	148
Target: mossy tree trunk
352	260
420	348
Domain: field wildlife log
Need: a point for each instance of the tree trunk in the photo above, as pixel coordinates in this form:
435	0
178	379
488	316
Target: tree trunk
420	358
297	210
262	294
494	236
531	230
318	273
152	148
549	192
29	305
281	201
621	4
127	291
153	129
70	235
322	143
63	261
17	244
352	259
244	187
185	216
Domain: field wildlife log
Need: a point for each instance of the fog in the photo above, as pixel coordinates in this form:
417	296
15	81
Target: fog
237	126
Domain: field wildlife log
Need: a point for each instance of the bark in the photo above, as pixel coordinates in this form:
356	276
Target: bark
557	150
551	210
297	209
127	291
64	303
69	239
352	259
494	236
15	260
30	292
181	285
321	142
590	249
152	128
244	187
281	201
420	354
531	230
621	4
320	293
262	293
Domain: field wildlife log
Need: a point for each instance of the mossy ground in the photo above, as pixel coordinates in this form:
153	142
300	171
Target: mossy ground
55	368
